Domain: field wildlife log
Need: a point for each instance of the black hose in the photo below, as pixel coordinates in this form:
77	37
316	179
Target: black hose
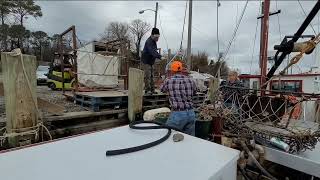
133	125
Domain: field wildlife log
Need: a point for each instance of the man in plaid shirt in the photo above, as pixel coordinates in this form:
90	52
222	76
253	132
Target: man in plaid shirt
181	88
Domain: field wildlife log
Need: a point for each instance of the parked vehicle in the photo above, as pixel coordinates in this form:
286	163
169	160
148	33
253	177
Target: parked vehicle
42	72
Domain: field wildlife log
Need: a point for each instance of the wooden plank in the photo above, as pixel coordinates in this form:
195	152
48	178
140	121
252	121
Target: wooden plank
213	89
103	93
20	99
87	127
135	94
82	114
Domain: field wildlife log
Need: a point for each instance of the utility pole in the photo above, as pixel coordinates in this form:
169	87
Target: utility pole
156	15
189	36
264	39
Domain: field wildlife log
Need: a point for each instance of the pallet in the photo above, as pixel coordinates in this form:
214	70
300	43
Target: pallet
96	101
100	100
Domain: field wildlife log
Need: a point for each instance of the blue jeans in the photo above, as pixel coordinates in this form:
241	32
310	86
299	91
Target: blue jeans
183	120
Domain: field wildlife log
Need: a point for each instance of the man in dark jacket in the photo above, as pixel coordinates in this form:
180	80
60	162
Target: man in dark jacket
149	55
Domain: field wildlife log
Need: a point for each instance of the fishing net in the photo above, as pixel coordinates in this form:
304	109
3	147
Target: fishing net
247	115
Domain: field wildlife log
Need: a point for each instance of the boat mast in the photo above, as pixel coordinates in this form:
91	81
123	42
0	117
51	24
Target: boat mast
264	42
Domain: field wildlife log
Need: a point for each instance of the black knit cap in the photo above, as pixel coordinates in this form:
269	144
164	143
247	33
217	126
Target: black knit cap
155	31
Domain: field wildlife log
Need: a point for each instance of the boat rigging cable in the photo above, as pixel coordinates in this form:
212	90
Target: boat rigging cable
232	39
184	22
279	27
133	125
236	30
297	35
304	12
255	38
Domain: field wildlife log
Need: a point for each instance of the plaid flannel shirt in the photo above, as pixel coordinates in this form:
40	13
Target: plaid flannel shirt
181	88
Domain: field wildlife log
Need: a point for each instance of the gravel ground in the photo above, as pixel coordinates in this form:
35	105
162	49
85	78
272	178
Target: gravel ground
47	94
56	97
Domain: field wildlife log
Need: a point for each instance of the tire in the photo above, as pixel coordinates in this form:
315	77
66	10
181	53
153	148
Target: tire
52	86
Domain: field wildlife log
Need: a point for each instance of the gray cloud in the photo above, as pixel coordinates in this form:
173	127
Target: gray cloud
91	18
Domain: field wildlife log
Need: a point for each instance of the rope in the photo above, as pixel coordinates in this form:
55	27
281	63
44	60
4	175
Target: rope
17	52
311	44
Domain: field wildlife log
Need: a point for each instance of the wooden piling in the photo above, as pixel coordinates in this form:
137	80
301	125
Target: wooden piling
21	112
213	88
135	93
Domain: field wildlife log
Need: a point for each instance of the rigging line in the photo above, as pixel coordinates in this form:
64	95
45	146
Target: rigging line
255	37
279	27
163	31
194	28
236	29
218	5
304	12
184	22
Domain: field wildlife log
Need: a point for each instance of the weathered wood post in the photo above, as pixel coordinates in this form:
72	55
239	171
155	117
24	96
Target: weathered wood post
20	96
213	88
135	94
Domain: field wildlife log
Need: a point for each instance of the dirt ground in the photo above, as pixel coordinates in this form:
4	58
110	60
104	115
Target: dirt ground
47	94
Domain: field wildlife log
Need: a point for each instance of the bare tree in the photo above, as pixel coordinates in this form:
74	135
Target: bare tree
116	31
138	29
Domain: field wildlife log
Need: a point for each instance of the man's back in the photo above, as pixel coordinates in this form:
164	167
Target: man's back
149	53
181	89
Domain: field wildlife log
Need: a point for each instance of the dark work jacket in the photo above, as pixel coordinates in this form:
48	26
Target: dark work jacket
150	53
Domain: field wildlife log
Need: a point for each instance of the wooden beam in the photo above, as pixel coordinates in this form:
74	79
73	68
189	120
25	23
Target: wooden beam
21	111
87	127
213	88
135	94
82	114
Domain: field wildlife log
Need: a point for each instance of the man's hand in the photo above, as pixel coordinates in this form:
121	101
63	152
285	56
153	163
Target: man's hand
162	58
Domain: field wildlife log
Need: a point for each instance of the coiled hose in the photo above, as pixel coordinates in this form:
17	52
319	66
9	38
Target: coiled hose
133	125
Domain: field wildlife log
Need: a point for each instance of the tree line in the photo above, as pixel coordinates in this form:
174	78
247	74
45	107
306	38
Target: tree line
14	34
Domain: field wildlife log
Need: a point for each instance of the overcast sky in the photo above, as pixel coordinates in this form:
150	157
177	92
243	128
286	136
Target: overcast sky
91	18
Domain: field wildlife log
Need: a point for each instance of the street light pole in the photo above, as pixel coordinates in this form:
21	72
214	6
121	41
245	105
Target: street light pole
156	15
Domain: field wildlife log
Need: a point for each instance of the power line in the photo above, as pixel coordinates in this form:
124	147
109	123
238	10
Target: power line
163	31
306	16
